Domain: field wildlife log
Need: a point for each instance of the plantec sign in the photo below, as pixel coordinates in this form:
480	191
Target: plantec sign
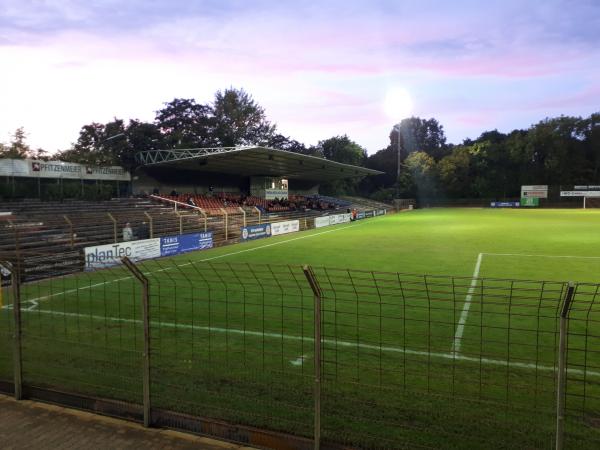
109	255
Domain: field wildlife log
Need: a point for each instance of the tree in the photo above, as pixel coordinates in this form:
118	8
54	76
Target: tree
239	120
113	143
454	172
282	142
89	147
186	124
18	147
420	174
342	149
418	134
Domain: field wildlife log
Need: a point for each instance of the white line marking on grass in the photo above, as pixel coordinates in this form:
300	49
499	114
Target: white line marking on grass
460	329
298	361
542	256
91	286
285	242
333	342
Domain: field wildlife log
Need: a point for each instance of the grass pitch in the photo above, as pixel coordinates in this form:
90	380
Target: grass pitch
408	360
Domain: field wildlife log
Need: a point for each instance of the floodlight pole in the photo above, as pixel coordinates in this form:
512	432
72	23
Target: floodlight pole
399	147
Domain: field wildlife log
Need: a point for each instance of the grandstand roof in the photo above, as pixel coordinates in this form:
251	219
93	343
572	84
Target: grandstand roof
253	161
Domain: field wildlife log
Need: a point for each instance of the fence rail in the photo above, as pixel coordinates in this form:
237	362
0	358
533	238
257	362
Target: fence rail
328	357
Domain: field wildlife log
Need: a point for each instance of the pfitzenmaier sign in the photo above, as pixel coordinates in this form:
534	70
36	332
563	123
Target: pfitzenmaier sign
60	169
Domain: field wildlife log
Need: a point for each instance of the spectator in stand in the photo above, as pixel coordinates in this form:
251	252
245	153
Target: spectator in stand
174	193
127	232
143	231
191	202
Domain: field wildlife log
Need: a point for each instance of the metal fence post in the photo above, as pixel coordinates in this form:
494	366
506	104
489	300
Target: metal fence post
114	221
151	223
71	231
314	285
205	218
244	213
258	211
225	222
561	378
17	335
137	273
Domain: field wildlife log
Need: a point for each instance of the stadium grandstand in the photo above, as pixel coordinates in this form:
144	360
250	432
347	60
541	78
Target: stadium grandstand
172	192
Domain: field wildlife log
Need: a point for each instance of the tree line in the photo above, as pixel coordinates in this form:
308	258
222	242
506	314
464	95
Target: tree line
563	150
555	151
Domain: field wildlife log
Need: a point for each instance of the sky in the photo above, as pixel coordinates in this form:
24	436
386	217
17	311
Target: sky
319	69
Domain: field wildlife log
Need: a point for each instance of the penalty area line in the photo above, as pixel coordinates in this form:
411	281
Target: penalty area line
451	356
542	256
464	315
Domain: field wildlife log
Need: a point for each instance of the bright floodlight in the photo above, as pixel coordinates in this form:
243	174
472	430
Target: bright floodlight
397	104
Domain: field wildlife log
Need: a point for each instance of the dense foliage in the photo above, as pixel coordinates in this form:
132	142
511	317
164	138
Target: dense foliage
558	151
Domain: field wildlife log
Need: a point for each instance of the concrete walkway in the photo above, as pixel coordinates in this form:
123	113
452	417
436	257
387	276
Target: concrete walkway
32	425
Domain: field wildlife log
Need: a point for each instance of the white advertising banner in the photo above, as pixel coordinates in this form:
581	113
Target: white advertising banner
322	222
59	169
579	188
271	194
534	191
109	255
334	219
290	226
580	193
535	187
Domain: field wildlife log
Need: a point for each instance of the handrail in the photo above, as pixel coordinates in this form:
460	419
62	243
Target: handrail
244	213
224	212
175	202
186	205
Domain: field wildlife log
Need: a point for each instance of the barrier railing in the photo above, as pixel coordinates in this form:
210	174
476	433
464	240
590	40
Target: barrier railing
329	357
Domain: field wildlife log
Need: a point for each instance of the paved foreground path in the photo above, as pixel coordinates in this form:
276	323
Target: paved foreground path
33	425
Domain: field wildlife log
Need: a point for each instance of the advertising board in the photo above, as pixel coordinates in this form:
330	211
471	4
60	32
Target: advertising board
60	169
109	255
505	204
580	193
256	232
271	194
333	219
289	226
322	222
183	243
534	191
530	201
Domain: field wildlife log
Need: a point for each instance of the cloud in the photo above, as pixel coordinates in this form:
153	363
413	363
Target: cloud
318	67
